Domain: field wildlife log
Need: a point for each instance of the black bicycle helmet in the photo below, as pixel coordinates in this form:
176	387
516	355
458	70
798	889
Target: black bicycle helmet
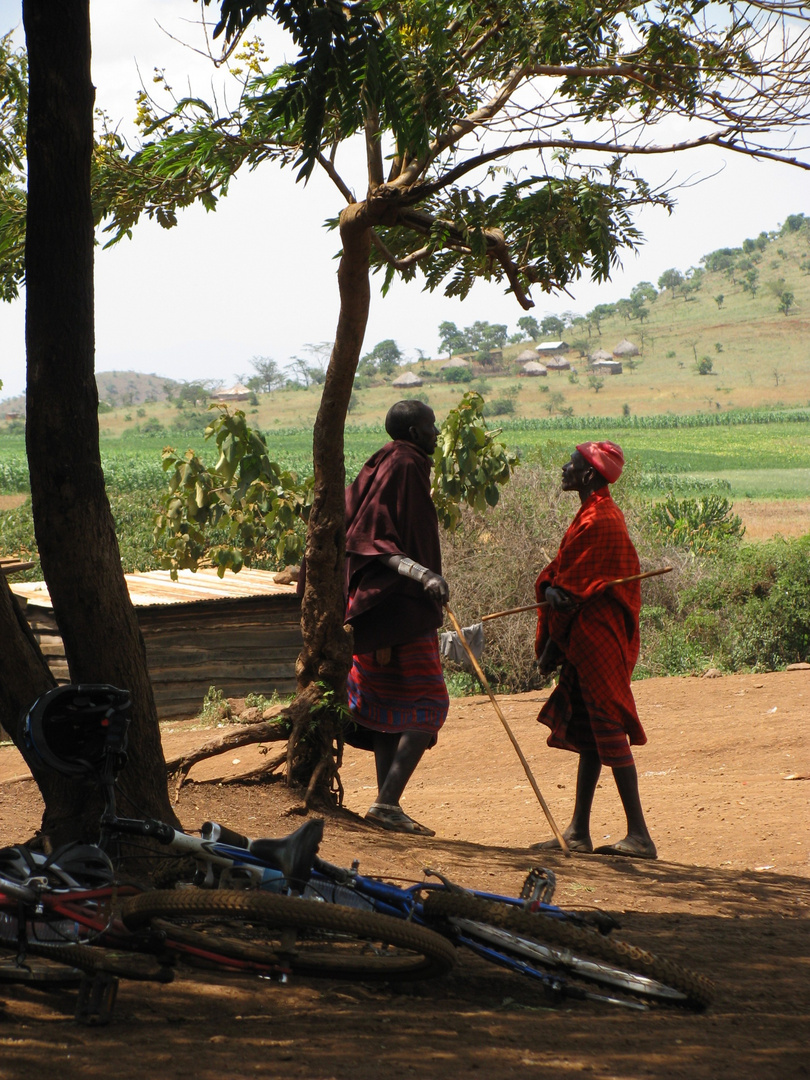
74	866
73	728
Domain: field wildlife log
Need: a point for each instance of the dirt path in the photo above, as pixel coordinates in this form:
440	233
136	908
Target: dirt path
725	780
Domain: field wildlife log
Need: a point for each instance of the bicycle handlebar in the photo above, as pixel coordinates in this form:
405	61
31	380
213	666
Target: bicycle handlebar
148	827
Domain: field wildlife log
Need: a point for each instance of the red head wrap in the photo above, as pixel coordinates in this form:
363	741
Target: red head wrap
606	457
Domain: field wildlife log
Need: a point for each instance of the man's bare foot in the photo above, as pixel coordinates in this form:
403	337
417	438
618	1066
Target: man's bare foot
632	847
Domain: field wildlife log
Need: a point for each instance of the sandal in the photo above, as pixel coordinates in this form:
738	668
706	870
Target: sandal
394	819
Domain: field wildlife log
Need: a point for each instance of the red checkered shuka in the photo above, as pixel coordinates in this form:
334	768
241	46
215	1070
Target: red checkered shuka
408	693
592	708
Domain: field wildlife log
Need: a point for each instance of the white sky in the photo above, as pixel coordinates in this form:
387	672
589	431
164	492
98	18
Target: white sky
258	277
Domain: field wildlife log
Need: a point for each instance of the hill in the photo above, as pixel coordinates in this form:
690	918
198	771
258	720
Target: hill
728	333
119	389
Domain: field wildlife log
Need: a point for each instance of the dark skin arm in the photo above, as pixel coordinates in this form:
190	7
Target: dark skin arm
433	584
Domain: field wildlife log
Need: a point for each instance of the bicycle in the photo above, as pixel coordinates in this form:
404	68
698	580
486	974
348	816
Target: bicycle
566	952
528	934
71	907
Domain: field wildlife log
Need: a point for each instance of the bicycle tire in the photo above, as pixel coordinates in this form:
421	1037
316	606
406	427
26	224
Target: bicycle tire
579	953
260	931
93	959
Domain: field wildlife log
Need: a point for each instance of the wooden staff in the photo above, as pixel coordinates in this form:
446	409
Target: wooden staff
560	838
543	603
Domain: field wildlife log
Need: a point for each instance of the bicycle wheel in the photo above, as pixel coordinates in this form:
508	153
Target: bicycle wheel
555	945
86	958
261	932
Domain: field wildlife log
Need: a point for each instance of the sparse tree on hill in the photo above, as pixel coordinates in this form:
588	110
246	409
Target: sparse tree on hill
384	359
269	375
599	314
671	280
552	325
528	324
451	339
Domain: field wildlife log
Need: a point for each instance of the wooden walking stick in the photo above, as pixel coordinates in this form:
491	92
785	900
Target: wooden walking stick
542	603
477	667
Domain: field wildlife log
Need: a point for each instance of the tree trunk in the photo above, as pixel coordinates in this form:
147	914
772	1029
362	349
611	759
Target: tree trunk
327	653
74	527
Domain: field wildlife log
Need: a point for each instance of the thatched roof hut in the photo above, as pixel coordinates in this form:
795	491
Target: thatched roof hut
237	392
533	368
557	363
456	362
600	354
626	348
526	356
408	379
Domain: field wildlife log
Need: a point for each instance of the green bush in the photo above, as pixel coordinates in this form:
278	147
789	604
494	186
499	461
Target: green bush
458	375
500	407
700	524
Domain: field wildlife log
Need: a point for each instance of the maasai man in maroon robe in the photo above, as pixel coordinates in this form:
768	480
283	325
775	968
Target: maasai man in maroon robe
593	632
397	695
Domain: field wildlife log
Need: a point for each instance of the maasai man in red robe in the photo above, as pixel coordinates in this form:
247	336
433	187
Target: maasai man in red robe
398	699
593	632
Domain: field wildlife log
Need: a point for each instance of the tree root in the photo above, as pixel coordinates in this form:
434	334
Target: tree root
313	754
241	736
255	774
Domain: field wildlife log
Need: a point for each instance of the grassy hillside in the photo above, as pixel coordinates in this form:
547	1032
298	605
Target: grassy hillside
757	357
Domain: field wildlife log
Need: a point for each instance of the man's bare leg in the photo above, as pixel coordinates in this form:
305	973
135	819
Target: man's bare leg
578	833
396	758
638	840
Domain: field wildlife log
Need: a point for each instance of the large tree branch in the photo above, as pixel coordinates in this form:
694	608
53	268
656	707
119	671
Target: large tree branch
410	174
615	149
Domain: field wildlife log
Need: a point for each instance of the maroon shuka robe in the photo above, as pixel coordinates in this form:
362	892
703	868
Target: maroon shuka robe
593	708
389	511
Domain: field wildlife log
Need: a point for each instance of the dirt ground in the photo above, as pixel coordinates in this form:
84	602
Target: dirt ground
725	779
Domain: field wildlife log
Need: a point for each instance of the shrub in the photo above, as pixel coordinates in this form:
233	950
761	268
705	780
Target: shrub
458	375
500	407
700	524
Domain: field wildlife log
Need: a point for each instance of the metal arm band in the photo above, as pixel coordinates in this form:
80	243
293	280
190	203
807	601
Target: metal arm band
411	569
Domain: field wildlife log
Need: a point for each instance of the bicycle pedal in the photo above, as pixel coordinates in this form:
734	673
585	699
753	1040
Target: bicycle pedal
539	886
96	1001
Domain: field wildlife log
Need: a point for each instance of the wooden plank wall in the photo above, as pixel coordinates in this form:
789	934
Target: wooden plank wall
241	646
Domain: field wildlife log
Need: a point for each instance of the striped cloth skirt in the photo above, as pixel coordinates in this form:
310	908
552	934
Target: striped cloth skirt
580	723
406	694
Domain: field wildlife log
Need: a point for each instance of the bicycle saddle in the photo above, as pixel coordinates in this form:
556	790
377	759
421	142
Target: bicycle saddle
293	855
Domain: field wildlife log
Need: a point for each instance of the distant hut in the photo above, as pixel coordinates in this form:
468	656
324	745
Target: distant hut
625	348
557	363
533	368
546	347
607	367
237	392
456	362
600	355
407	380
526	356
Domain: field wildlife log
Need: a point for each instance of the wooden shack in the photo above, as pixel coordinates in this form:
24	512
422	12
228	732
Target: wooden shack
240	633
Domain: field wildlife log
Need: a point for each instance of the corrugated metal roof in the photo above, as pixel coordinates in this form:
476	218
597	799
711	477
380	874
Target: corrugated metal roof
157	587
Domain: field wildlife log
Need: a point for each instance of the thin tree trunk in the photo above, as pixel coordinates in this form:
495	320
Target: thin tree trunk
74	527
327	653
